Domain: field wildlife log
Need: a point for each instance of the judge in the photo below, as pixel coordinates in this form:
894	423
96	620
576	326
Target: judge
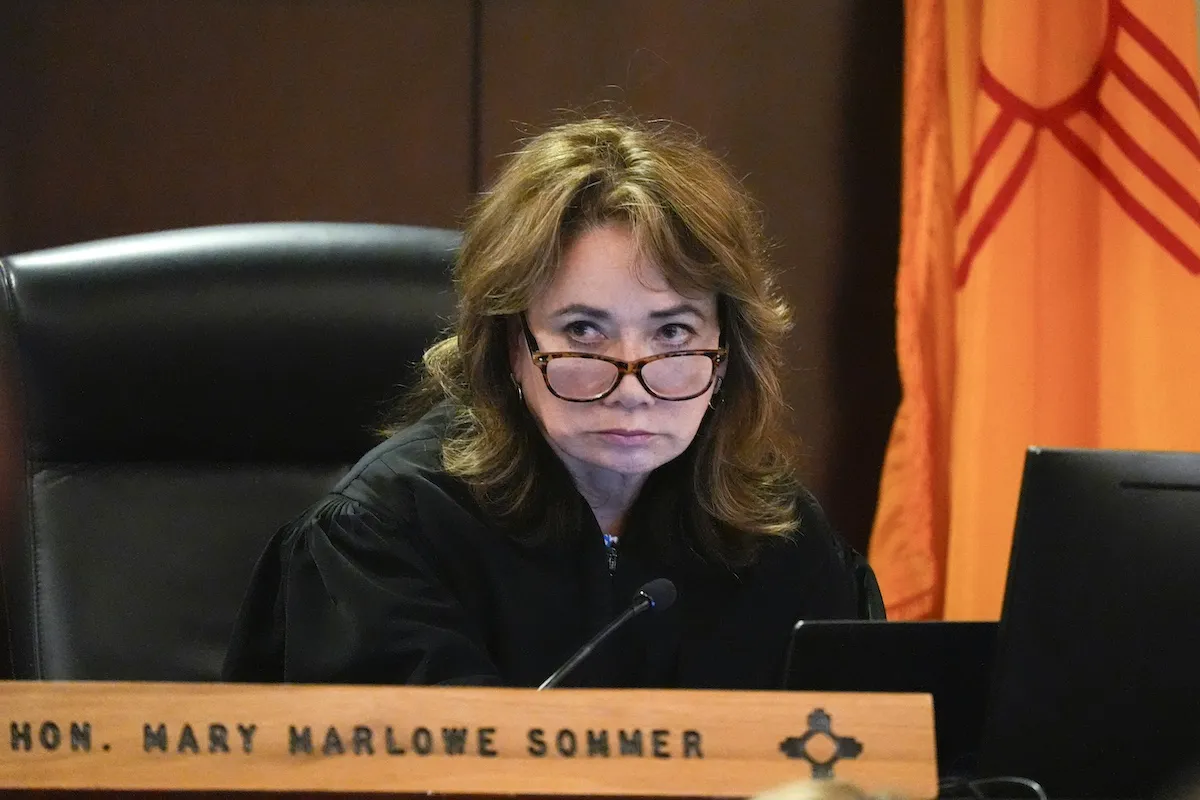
607	411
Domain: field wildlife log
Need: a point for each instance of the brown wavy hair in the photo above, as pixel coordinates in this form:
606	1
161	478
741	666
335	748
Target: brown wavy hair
690	216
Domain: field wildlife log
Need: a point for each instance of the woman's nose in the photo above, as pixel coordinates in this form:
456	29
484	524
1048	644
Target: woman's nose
630	392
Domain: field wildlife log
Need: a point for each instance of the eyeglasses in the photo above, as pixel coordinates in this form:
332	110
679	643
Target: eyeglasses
585	377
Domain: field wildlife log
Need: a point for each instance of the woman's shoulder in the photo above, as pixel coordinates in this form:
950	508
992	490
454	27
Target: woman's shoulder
812	540
811	546
816	542
397	496
410	460
813	529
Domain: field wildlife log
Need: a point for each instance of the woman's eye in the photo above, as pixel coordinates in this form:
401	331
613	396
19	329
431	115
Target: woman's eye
581	331
676	332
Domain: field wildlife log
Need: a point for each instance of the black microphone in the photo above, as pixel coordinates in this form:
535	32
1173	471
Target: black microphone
656	595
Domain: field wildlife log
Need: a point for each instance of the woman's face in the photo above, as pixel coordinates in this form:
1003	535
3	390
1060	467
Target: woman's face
608	300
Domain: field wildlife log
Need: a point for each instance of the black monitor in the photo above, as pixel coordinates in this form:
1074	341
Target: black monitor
949	660
1096	682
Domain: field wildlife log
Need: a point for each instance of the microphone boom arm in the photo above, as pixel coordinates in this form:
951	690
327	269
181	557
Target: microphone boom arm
642	604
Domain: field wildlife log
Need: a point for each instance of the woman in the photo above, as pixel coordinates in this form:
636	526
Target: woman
608	411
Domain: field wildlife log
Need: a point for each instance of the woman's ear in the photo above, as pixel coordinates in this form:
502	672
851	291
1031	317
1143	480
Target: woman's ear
722	315
723	367
719	380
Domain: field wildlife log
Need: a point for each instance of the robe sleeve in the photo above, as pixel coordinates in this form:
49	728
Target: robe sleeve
868	601
349	595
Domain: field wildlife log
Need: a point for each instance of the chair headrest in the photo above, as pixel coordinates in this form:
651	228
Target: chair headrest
255	342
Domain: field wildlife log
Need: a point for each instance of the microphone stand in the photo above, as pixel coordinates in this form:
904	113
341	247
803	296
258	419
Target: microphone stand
637	607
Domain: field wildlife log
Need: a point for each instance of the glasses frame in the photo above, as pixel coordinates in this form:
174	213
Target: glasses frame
542	360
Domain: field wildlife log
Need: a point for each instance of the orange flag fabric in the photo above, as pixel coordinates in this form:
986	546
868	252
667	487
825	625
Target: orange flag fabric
1048	290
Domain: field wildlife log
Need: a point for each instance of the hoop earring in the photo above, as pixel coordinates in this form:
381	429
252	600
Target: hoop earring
713	400
517	386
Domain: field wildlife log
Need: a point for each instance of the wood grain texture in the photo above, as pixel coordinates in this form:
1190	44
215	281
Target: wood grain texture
143	115
738	736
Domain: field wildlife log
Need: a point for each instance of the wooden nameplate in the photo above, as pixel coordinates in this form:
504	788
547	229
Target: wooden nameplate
196	736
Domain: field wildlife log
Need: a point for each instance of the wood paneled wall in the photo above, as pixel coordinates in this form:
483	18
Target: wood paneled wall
134	115
131	115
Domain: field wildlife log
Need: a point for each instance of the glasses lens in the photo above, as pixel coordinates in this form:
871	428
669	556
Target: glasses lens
678	376
580	378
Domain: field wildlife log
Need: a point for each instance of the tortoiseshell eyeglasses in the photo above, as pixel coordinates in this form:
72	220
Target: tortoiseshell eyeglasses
586	377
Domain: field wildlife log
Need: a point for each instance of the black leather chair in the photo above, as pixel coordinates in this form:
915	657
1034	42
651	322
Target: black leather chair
168	401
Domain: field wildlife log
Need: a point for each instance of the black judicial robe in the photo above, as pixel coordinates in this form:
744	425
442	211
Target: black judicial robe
397	576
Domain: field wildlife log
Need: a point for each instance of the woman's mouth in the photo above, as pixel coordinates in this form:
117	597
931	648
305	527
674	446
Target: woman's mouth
626	436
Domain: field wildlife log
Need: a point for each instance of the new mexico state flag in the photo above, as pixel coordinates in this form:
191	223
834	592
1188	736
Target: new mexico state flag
1049	281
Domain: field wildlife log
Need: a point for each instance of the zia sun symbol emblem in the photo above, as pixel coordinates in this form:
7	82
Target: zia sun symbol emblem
820	746
1129	115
